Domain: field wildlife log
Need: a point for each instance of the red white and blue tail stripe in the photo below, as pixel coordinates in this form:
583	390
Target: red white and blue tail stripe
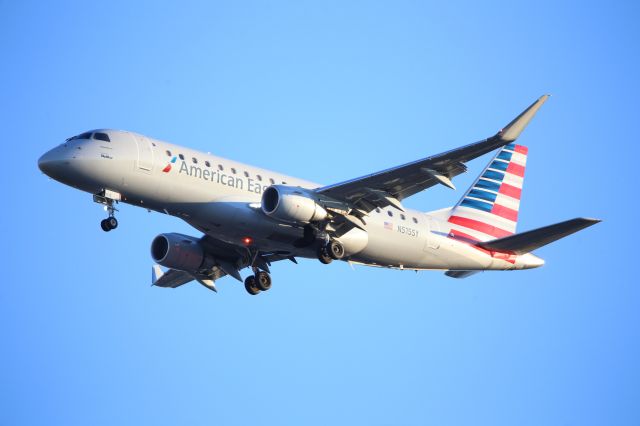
489	209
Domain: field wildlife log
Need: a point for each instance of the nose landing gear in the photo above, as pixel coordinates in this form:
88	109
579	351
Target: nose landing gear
109	223
108	199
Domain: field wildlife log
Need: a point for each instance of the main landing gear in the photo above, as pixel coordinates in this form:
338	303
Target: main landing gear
254	284
331	251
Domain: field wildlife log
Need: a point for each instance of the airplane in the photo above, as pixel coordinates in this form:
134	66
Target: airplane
252	217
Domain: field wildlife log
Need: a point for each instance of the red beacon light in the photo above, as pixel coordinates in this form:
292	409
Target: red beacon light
247	241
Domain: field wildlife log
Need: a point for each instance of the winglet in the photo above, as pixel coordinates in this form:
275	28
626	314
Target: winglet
511	132
156	274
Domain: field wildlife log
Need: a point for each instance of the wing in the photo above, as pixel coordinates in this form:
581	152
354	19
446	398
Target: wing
228	259
170	279
390	186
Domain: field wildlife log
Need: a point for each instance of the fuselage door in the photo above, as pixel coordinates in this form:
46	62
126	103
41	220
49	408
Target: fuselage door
433	237
145	153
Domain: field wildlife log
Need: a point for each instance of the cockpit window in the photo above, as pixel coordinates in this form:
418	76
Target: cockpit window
86	135
101	137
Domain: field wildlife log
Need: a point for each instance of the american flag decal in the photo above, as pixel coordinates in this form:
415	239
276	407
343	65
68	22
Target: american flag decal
388	225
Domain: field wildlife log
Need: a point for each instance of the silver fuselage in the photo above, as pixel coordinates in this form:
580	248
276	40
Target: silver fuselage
221	198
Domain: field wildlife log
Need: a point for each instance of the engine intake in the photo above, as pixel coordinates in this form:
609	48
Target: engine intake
291	204
177	251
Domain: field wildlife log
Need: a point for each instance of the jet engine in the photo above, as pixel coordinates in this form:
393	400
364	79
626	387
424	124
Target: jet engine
178	251
291	204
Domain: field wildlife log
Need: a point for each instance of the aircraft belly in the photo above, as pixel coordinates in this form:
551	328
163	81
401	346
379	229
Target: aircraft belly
395	247
390	247
234	221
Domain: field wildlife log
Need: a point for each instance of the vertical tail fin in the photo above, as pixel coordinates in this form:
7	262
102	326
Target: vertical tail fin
489	208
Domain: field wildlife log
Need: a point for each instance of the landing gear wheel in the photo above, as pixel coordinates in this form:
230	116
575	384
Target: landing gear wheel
109	223
112	222
324	256
263	281
250	285
105	225
336	250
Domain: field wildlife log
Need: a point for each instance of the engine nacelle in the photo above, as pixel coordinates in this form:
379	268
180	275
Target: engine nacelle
291	204
177	251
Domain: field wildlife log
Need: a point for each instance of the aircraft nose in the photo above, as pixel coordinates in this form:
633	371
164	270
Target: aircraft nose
45	162
51	163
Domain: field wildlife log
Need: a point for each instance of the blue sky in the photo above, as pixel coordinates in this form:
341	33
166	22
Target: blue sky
326	91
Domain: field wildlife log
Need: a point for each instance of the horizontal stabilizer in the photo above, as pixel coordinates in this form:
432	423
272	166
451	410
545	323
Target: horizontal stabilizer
460	274
526	242
156	274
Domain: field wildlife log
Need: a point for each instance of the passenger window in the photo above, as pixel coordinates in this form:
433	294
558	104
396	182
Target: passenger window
246	174
220	167
415	220
390	213
181	156
402	217
273	182
195	160
168	153
207	163
259	178
102	137
284	183
233	170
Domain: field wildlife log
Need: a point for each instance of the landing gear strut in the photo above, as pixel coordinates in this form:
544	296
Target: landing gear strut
254	284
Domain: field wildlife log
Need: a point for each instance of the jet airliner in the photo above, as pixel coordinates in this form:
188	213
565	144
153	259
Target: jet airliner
252	217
